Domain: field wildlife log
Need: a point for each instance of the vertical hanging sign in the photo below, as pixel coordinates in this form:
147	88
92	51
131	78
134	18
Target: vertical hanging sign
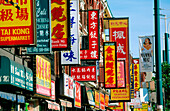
17	26
43	29
119	33
94	38
146	48
132	81
121	82
73	56
60	24
110	64
97	99
106	100
102	101
136	74
77	100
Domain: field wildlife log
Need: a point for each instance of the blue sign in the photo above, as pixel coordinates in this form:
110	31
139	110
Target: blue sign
43	29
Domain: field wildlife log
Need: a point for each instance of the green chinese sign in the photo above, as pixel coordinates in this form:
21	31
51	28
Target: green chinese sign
15	74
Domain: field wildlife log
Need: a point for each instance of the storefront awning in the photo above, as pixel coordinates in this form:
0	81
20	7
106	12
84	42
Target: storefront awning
12	97
66	103
53	105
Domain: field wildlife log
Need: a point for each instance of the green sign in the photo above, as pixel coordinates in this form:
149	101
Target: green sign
29	79
15	74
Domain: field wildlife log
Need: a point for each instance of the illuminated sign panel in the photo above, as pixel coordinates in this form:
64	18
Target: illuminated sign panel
43	76
121	82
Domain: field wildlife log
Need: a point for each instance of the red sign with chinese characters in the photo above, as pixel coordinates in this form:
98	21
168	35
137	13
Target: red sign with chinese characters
136	74
121	83
119	34
77	100
110	64
94	38
106	100
84	73
16	26
97	99
102	101
59	24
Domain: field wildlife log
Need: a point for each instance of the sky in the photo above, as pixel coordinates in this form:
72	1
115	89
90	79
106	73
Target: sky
141	19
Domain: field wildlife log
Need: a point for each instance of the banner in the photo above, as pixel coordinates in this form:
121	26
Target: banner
17	26
136	74
90	96
110	64
73	56
121	82
93	53
97	99
43	76
68	86
119	33
60	24
146	48
52	90
83	73
106	100
132	90
102	101
43	23
77	100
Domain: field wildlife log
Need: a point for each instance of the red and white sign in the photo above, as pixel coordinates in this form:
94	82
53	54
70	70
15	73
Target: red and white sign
94	38
53	90
119	34
102	101
68	86
84	73
77	100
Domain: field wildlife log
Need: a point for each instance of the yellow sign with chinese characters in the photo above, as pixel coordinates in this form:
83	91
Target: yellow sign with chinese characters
43	76
17	24
118	23
110	64
59	23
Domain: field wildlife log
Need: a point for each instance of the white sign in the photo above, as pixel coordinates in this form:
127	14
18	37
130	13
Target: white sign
146	53
68	86
73	56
